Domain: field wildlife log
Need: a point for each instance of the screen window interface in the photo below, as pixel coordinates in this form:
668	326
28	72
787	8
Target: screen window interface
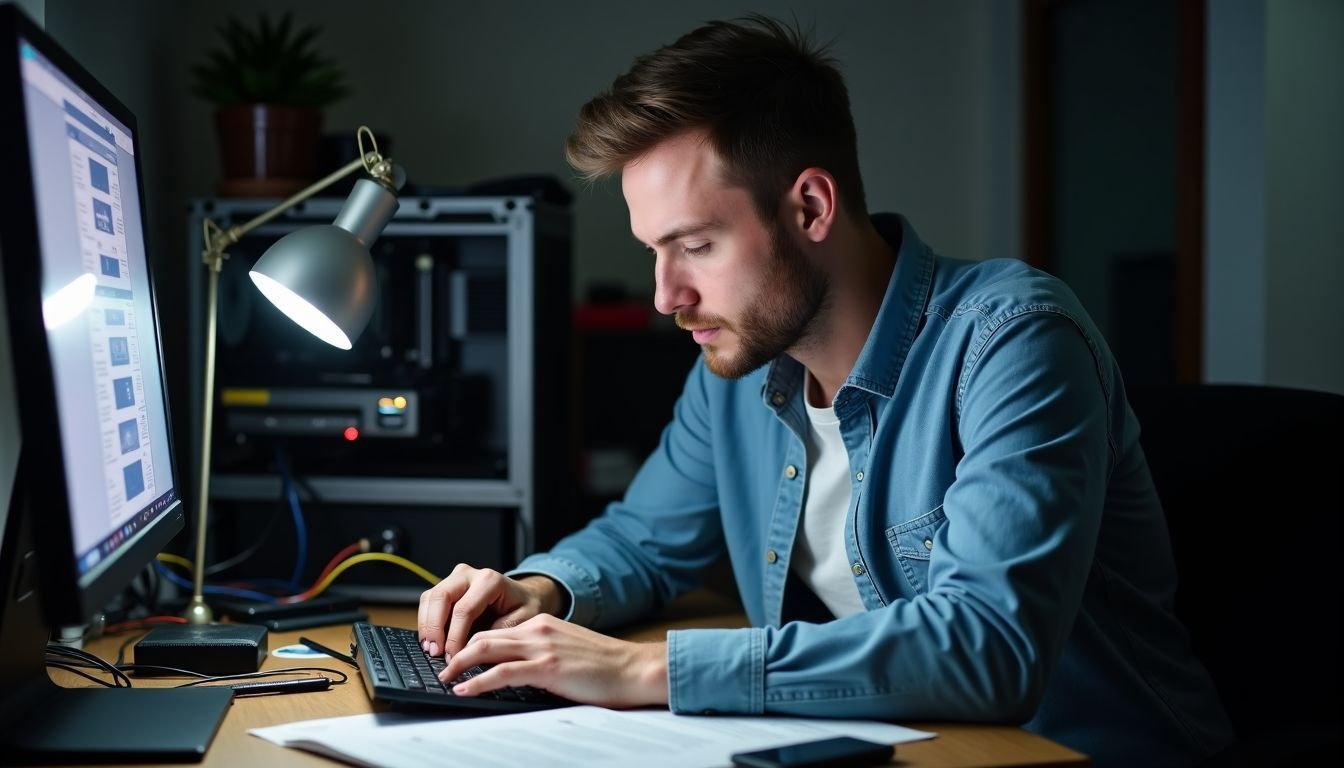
99	315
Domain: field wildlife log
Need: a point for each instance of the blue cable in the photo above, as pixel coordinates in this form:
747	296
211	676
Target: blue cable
212	590
283	584
300	529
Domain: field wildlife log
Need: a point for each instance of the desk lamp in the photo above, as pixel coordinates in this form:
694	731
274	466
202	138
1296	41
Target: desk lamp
322	277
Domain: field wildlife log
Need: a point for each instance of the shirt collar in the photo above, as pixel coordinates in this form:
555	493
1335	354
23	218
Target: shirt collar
880	361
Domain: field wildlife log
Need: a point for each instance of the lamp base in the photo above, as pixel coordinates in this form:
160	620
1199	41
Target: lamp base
198	612
220	649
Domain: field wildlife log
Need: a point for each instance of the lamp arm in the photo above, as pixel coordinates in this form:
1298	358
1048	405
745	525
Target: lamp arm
380	168
236	233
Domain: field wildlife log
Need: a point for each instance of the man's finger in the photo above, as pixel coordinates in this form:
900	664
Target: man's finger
493	653
484	590
437	601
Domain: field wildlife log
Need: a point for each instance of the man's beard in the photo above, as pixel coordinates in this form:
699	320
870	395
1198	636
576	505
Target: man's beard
788	300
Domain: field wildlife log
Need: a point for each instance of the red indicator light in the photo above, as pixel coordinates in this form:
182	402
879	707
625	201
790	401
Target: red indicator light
351	433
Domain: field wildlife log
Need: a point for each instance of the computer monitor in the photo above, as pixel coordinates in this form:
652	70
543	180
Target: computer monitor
87	459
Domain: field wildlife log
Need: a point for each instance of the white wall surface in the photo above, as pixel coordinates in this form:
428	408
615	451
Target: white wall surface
1304	255
1235	189
1274	263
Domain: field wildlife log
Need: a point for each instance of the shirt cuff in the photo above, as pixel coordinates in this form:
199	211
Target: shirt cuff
710	671
585	600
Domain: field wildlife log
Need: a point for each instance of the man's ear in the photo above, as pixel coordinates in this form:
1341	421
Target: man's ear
814	204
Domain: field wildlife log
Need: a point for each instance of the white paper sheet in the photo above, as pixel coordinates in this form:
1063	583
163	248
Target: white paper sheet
592	737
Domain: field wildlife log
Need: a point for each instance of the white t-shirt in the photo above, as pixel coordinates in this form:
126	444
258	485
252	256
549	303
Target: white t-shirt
819	556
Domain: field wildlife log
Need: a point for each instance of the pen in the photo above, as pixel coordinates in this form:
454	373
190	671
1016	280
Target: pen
300	685
320	648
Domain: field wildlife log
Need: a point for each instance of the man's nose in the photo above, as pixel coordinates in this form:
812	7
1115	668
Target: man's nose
671	289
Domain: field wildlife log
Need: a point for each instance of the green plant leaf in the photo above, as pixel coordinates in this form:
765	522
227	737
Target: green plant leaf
268	62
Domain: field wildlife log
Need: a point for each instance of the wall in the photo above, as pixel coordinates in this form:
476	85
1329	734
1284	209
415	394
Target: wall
470	91
1114	131
473	91
1275	256
9	417
34	8
1234	151
1304	226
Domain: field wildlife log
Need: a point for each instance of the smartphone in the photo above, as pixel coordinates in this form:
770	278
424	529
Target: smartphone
838	751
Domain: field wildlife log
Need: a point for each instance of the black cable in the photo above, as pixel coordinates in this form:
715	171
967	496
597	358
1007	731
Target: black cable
121	652
75	670
332	652
167	671
302	484
152	583
132	595
220	567
85	659
268	673
156	585
204	678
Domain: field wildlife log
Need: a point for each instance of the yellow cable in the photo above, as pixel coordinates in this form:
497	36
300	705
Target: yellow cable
366	558
178	560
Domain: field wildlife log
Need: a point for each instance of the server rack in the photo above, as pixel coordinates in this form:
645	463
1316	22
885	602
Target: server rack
458	395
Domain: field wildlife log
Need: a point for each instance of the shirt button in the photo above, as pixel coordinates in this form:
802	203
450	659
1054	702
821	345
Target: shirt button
928	543
777	398
857	568
859	475
770	556
790	471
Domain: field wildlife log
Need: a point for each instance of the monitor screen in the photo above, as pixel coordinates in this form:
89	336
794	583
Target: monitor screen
98	313
87	463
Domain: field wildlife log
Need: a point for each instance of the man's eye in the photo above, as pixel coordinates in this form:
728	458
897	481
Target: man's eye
698	250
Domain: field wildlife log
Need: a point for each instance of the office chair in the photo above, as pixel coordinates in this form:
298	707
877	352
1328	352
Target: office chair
1249	477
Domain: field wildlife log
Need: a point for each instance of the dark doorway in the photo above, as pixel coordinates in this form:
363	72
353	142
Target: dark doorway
1114	171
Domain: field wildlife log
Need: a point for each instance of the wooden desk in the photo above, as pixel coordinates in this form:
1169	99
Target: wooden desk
958	744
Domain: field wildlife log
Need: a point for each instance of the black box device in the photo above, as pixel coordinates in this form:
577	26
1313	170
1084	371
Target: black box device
320	611
211	649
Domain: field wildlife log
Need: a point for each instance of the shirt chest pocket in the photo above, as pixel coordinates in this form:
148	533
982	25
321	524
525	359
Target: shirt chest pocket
912	541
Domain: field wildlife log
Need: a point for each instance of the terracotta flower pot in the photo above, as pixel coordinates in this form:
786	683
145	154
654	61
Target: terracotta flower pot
267	150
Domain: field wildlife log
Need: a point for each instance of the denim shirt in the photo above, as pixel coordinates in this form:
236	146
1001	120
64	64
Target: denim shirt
1003	530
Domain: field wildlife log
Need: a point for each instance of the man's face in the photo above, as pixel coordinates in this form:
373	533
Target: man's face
744	289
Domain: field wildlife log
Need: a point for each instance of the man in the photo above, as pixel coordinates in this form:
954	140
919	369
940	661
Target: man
925	471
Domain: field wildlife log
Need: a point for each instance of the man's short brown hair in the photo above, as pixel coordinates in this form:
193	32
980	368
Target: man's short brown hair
771	102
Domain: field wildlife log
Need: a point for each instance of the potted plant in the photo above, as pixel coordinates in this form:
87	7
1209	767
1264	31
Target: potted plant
269	86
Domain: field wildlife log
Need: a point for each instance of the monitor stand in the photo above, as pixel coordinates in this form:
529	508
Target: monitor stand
43	723
161	725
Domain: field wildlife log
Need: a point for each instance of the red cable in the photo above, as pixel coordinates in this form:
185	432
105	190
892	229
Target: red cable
331	566
142	623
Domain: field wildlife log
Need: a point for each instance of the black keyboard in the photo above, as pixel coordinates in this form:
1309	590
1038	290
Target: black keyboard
395	669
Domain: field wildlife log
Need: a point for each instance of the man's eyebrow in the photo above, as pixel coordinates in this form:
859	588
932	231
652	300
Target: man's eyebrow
684	231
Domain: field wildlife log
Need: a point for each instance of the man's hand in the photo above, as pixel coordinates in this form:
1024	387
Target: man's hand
468	594
565	659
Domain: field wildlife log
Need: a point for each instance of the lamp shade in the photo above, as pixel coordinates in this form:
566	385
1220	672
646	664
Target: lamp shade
322	276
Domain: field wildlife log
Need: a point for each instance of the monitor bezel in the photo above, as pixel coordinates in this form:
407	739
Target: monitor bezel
65	600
